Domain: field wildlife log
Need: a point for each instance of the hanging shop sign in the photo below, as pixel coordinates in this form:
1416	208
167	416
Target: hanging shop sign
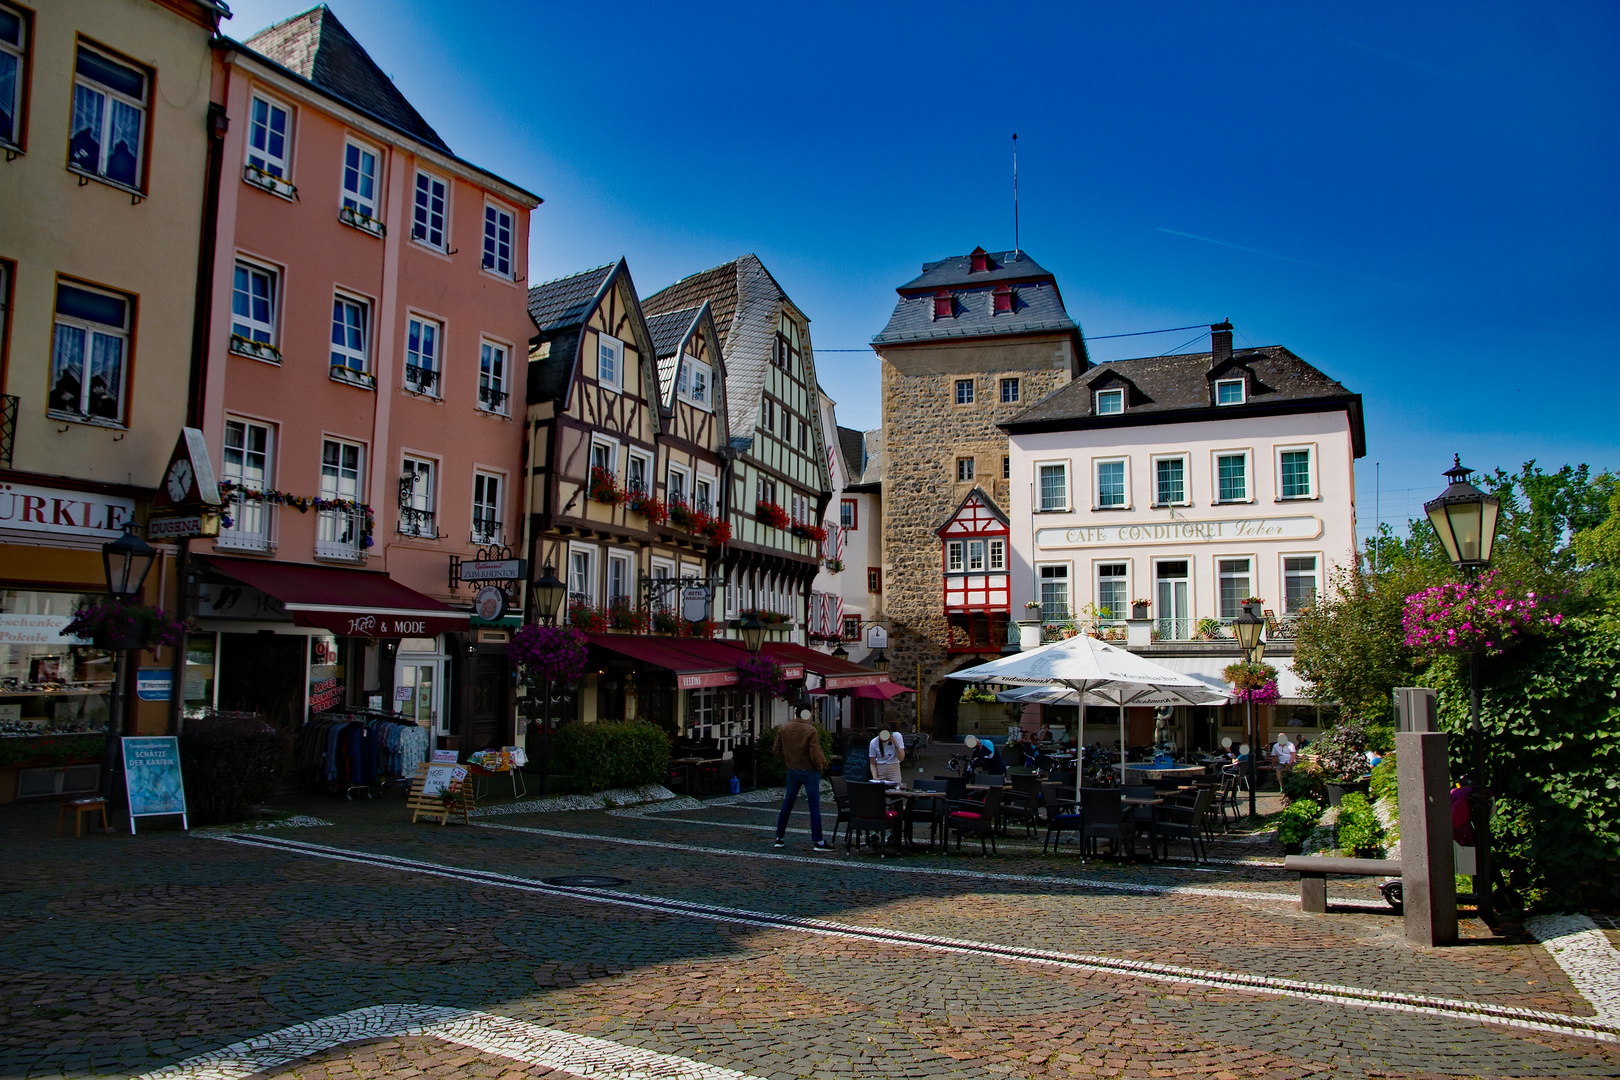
152	778
1304	527
490	603
491	569
877	637
182	526
64	513
696	603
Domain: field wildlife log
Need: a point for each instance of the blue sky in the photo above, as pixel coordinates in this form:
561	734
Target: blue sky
1419	199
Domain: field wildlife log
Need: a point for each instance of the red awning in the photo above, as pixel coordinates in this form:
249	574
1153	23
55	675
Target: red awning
696	662
879	692
350	603
835	674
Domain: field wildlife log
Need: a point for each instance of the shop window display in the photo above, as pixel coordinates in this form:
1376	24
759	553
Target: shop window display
49	684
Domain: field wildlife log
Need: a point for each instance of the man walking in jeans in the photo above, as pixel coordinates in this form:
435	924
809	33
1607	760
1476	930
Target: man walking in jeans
799	743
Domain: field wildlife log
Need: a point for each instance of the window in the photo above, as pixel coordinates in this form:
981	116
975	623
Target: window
609	361
1111	485
1006	467
953	556
1054	486
267	138
1112	583
338	531
359	180
428	220
998	554
1232	477
1296	474
1235	586
13	76
351	332
582	575
964	391
1229	391
676	483
852	628
703	495
1173	612
492	392
975	560
849	514
89	355
1009	391
767	409
1299	583
765	490
619	578
692	385
801	509
605	456
874	579
253	303
1001	301
944	305
964	469
416	498
804	435
498	241
1054	585
424	338
1110	402
486	510
247	465
637	469
108	133
1169	481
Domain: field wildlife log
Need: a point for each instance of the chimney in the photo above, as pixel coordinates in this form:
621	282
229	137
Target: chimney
1220	342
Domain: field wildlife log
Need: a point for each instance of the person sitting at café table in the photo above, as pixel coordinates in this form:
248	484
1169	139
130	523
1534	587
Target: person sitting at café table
1045	734
884	754
983	756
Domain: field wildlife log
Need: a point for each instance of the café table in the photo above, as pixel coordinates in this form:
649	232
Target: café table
1127	800
689	767
910	796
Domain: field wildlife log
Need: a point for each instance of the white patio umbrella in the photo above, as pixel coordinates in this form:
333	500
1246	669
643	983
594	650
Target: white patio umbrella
1094	670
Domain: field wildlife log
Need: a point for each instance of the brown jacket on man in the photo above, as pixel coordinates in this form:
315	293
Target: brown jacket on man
799	743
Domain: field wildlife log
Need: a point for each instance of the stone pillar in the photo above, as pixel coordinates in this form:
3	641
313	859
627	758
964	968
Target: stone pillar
1428	884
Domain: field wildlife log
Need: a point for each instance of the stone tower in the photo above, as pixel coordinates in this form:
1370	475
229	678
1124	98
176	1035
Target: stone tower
973	340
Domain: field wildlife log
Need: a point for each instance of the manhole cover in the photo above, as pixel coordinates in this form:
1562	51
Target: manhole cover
588	881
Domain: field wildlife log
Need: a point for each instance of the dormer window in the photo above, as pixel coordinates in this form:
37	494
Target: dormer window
1002	300
943	308
981	261
1110	402
1229	392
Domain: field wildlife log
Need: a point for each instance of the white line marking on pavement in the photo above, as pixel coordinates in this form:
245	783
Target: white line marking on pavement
1587	956
1459	1009
548	1048
977	875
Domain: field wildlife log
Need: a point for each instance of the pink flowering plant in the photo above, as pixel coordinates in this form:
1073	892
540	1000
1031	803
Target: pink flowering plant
1253	682
120	621
548	653
760	674
1487	615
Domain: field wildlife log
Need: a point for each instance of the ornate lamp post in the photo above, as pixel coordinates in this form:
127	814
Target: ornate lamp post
880	662
125	561
548	598
1246	628
753	638
1465	519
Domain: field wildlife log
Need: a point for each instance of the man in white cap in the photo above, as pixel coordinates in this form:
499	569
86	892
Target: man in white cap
883	756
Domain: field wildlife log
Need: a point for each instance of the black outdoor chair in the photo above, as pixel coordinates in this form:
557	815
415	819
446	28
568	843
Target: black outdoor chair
1062	815
840	788
1021	802
1184	823
977	818
1228	798
955	787
924	810
1105	819
869	812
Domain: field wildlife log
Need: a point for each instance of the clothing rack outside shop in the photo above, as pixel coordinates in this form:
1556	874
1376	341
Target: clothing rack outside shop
361	750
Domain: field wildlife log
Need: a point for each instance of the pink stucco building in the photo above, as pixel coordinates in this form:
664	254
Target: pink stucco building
369	329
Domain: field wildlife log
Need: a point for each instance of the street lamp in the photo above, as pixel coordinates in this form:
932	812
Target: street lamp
1246	628
880	662
548	598
840	653
125	561
753	638
1466	518
753	633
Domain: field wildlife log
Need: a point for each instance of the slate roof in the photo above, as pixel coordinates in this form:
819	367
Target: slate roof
668	331
871	475
853	446
1177	389
559	309
745	302
316	46
1037	302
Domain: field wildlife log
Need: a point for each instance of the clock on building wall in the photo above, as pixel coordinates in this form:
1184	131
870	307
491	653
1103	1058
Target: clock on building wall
179	479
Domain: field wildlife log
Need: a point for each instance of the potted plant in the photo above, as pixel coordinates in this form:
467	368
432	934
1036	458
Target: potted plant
648	506
770	514
835	566
1139	608
1209	629
603	487
1254	606
117	624
806	531
1340	757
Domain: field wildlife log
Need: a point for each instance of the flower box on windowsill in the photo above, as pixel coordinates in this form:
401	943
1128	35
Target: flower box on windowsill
255	350
275	185
352	377
364	222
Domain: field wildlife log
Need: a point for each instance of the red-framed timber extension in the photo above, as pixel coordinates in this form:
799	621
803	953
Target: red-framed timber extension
974	553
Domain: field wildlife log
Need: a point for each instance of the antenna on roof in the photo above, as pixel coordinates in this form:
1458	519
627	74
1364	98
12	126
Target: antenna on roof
1015	195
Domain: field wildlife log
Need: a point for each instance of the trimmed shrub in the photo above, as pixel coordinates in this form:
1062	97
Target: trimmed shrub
229	764
772	772
1296	822
1358	826
611	754
1384	783
1304	781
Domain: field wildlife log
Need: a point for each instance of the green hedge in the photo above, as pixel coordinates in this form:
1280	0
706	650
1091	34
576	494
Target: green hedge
231	763
1358	826
611	754
772	772
49	753
1296	822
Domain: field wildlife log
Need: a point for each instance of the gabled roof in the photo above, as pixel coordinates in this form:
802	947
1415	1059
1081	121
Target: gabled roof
1037	304
668	331
1176	389
560	309
315	46
870	477
958	270
984	499
566	302
853	446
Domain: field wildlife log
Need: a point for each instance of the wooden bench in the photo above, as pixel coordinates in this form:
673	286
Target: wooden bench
1314	869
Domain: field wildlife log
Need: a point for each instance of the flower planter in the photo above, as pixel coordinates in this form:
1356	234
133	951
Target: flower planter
1139	611
1335	792
116	642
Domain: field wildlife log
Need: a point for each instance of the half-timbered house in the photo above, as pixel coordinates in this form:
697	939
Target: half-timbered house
779	486
973	557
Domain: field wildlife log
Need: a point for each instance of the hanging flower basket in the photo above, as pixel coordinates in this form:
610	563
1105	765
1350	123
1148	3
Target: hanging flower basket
761	675
1253	682
551	653
1487	615
116	624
